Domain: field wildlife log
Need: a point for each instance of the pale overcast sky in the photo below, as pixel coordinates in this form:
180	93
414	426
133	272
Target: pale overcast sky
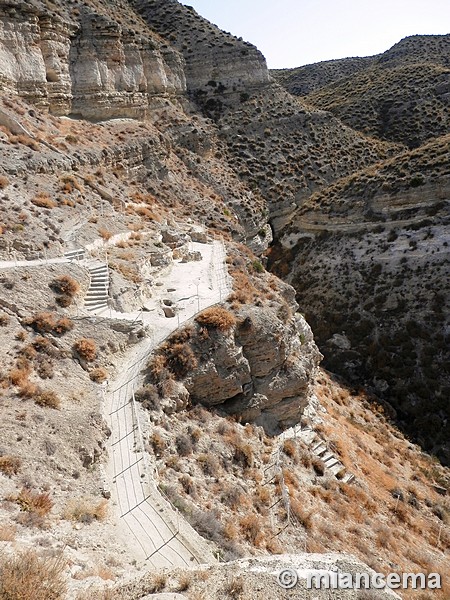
291	33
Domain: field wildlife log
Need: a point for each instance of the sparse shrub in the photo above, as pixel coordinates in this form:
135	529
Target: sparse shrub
232	496
19	375
65	285
209	464
4	320
257	266
4	182
7	534
26	576
10	465
86	349
183	582
47	399
158	442
234	588
183	445
42	344
62	326
34	502
188	484
45	322
98	375
303	516
64	300
243	453
217	317
157	583
43	201
85	510
290	449
318	466
250	527
44	367
180	359
27	389
149	397
207	524
104	233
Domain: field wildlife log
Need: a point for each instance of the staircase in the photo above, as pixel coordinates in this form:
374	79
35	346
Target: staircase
320	449
78	254
97	294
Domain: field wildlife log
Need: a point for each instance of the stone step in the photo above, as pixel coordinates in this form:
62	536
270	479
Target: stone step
348	478
79	253
320	449
98	284
94	295
97	306
95	299
98	272
331	462
337	468
327	456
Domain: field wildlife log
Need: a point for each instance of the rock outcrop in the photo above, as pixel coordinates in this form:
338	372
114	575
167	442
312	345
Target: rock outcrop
259	371
89	66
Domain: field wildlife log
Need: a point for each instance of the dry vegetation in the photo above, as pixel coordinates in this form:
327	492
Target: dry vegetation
86	349
28	576
217	318
391	515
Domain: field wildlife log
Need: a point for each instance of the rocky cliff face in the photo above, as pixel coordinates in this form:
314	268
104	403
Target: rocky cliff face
223	63
89	66
260	372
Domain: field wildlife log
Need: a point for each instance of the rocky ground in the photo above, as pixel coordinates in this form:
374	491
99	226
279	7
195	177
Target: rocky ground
138	131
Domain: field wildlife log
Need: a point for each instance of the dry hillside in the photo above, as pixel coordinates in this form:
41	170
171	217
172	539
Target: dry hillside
182	244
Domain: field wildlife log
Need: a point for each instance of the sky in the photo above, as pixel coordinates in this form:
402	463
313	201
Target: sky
291	33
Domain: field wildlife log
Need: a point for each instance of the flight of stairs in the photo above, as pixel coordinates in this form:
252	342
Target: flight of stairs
97	295
78	254
321	450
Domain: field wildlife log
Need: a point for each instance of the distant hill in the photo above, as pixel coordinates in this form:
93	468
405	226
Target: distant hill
402	95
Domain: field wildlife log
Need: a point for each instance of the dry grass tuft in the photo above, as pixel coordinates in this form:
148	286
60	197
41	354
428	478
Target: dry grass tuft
157	584
303	516
104	233
99	375
85	510
10	465
7	533
43	201
34	502
26	576
179	358
250	527
47	398
235	587
65	285
45	322
217	318
86	349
